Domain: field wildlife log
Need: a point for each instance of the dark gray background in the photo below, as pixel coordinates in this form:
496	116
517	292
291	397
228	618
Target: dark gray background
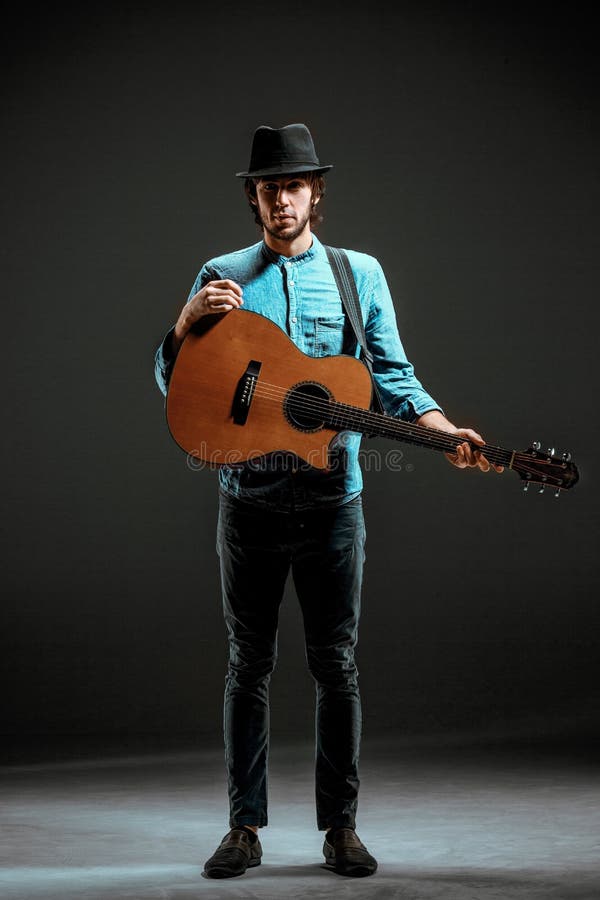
465	144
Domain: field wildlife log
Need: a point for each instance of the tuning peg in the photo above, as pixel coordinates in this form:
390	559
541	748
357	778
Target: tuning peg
536	445
526	487
557	492
567	456
541	490
550	451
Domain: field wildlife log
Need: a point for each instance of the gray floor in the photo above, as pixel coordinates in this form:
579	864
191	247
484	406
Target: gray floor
457	824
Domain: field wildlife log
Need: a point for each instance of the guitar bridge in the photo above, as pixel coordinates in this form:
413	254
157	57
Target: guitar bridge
242	400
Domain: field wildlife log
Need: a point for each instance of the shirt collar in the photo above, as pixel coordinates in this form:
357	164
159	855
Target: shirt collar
315	249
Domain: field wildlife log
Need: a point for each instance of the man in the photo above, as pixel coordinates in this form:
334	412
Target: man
282	514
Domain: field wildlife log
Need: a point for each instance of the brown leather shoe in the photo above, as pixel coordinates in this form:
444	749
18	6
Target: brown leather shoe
239	850
344	850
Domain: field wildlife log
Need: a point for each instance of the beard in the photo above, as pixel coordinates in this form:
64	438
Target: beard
281	232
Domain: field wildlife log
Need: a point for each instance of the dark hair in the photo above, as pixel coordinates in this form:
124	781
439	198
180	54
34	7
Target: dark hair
317	185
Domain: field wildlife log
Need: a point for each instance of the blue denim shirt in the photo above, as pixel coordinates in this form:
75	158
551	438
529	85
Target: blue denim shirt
300	295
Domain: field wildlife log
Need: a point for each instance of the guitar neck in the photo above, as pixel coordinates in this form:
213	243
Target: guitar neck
343	417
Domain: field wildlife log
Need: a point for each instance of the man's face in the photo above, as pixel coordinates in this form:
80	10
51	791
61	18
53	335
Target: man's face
284	204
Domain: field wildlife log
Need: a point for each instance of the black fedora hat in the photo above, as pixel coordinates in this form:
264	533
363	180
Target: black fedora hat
282	151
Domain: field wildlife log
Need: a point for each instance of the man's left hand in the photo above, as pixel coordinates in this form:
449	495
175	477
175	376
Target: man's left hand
467	457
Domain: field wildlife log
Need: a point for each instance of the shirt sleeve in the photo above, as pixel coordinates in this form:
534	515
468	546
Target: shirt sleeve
402	394
164	358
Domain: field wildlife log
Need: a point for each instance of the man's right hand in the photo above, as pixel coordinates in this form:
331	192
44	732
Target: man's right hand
215	297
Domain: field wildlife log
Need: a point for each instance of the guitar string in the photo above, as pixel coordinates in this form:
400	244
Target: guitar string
395	426
322	408
358	414
438	441
354	414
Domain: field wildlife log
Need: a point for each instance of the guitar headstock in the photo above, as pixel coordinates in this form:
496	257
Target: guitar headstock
545	470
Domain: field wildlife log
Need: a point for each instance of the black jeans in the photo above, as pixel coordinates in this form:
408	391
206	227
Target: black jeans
325	549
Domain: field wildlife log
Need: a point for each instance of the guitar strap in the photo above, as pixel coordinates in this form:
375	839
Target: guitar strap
346	285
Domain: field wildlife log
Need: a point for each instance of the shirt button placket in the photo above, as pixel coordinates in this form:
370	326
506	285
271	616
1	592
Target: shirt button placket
291	284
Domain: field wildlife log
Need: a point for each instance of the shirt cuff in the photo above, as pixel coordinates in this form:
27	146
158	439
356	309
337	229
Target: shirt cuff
416	410
166	348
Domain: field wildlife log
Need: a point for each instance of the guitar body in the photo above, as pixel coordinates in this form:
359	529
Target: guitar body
211	418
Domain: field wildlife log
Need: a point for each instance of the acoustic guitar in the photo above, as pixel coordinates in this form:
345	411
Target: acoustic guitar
241	389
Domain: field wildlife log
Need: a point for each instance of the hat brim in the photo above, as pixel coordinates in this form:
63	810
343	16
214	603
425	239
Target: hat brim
285	169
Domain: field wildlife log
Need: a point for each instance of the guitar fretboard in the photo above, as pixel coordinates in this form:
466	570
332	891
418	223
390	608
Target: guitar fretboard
343	417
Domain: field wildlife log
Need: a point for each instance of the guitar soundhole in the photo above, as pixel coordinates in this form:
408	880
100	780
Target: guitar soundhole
304	405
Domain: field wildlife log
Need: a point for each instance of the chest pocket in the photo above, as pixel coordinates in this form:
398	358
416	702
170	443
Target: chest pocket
329	335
